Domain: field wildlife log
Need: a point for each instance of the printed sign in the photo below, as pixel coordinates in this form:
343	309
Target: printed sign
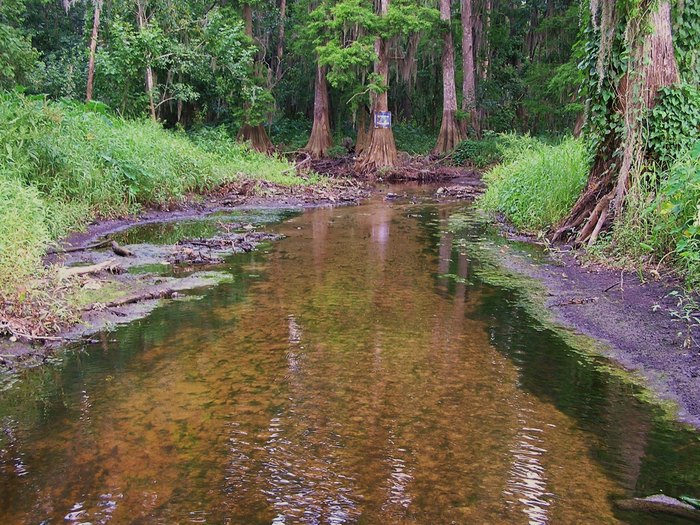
382	119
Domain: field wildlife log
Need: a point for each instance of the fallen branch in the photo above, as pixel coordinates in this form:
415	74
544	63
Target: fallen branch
165	293
110	265
95	246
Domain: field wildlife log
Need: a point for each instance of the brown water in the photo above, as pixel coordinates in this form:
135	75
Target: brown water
341	378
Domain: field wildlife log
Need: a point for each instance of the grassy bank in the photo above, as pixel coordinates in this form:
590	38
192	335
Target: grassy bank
63	165
536	184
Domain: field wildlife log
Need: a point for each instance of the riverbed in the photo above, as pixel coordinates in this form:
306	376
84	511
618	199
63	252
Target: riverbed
370	367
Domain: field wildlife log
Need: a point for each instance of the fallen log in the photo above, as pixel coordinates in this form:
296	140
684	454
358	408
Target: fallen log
165	293
95	246
110	265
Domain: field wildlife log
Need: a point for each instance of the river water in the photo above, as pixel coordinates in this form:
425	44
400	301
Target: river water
361	370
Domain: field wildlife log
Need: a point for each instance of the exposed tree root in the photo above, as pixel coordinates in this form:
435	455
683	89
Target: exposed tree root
450	134
380	152
257	137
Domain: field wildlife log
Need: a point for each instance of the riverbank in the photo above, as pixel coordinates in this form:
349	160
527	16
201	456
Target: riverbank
122	289
645	323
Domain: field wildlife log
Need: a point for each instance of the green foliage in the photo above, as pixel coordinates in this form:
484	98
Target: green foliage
676	215
479	153
414	139
18	59
63	165
23	230
686	40
537	183
290	134
674	123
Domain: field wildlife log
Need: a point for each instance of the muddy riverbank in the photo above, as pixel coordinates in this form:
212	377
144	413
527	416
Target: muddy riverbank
644	324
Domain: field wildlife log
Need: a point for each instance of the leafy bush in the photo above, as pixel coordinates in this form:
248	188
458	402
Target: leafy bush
479	153
414	139
537	183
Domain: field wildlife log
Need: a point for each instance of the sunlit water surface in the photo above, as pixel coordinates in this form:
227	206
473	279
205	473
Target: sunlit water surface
359	371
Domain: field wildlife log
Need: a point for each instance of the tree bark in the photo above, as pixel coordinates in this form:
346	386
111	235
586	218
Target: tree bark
253	134
150	83
362	133
93	49
321	138
450	134
469	72
381	148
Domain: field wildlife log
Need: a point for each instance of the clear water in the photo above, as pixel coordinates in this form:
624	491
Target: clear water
342	377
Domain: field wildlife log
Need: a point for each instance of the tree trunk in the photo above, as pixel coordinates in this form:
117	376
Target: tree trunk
469	72
381	149
362	133
93	50
254	134
150	83
320	139
652	65
450	134
280	40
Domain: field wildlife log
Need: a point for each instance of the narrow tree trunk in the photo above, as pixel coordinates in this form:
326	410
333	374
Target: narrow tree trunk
321	138
469	72
254	134
93	49
150	83
280	40
450	134
381	149
362	133
652	65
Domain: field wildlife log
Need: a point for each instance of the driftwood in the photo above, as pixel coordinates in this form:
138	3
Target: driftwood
95	246
110	265
165	293
660	504
120	250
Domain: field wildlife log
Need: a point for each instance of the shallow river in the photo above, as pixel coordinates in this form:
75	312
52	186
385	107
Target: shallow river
359	371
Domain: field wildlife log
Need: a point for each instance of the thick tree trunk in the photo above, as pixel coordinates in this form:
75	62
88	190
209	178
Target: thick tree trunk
93	49
150	82
469	72
450	134
652	66
254	134
321	138
381	148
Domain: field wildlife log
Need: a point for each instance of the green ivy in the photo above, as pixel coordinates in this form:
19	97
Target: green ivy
674	123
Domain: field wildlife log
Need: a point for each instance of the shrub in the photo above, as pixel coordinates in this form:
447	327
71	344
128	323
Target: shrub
536	185
479	153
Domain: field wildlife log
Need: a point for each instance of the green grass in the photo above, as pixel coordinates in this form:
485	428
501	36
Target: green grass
63	165
537	183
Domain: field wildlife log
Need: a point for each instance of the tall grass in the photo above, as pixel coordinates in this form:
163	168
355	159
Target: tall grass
537	183
62	165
